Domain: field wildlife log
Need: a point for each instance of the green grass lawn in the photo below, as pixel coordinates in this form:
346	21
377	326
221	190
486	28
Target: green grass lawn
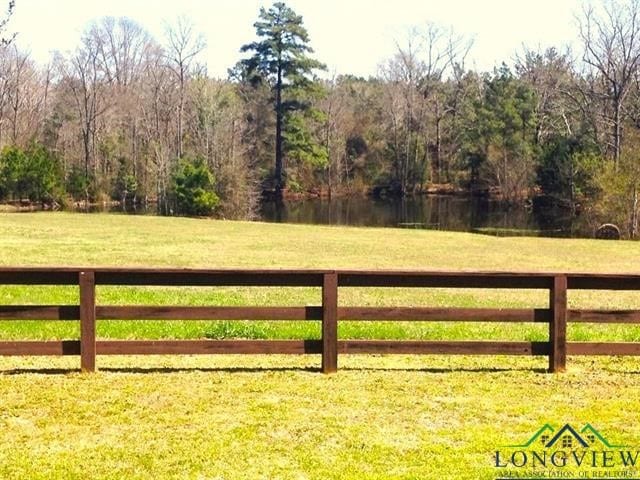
118	240
263	417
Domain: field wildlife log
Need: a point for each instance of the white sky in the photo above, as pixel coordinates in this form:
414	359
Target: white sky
350	36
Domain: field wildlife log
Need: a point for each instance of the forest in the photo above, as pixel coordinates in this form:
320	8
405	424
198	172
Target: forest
130	118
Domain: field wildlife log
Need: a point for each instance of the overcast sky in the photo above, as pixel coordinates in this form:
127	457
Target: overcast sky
350	36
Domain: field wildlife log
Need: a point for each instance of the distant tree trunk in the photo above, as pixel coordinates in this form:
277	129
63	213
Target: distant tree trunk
279	119
87	152
617	132
634	213
180	112
438	149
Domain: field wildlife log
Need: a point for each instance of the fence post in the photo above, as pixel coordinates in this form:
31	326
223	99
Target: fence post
87	321
330	323
558	325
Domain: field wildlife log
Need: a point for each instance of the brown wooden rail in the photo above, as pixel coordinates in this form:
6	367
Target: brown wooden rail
329	313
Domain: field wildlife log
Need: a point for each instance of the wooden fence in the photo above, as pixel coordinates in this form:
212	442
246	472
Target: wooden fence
329	313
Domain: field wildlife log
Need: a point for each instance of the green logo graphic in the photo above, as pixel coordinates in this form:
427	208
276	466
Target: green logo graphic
547	437
567	452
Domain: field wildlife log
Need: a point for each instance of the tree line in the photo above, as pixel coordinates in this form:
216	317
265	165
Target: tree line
132	118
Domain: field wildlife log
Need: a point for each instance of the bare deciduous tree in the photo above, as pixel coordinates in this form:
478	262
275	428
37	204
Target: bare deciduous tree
611	38
183	46
83	79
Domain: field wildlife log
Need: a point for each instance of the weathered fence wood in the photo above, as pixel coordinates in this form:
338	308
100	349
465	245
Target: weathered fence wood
603	348
443	279
52	347
87	321
594	281
558	324
38	276
328	314
39	312
194	347
604	316
207	313
330	323
423	314
210	278
443	347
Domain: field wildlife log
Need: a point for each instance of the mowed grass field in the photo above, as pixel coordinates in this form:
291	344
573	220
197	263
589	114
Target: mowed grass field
254	417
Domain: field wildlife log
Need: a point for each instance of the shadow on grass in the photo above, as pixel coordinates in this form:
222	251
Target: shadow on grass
171	370
39	371
151	370
441	370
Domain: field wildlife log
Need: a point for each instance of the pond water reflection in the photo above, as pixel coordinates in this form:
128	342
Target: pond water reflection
437	212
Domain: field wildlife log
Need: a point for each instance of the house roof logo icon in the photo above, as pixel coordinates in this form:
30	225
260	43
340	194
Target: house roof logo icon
567	437
564	432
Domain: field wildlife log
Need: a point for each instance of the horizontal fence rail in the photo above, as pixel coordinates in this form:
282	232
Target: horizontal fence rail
328	314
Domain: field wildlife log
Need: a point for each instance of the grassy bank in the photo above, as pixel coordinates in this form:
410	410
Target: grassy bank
231	417
113	240
117	240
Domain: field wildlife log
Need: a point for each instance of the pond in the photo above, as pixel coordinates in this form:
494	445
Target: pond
434	212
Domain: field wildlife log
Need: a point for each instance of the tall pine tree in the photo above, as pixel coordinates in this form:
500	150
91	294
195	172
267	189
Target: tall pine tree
280	58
